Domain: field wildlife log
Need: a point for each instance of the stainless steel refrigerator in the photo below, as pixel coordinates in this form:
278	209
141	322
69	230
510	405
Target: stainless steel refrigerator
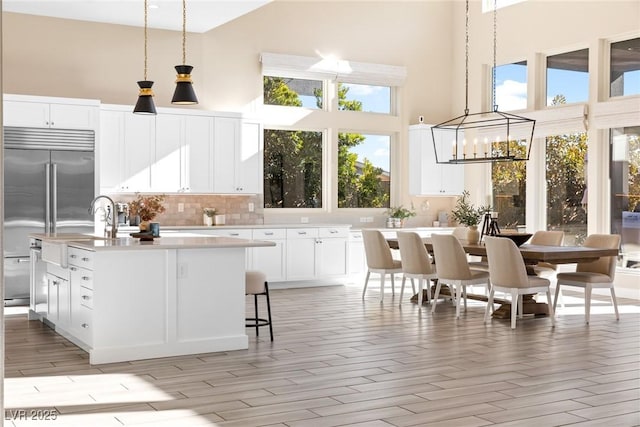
48	187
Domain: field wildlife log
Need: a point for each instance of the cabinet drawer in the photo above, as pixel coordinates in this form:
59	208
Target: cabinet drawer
81	276
83	324
302	233
333	232
239	233
81	258
86	297
269	233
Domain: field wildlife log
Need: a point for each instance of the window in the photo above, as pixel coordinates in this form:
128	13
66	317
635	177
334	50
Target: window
625	192
363	171
292	92
509	181
367	98
568	77
292	169
511	86
625	68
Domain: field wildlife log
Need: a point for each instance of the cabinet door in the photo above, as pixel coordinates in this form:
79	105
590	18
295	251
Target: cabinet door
27	114
270	260
357	258
165	169
249	160
197	154
301	257
226	135
110	151
139	134
331	257
65	116
53	282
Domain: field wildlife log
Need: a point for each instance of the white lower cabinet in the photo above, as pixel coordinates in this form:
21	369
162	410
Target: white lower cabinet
82	303
270	260
301	253
357	257
317	253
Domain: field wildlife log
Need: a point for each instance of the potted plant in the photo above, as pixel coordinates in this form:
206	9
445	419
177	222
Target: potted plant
147	208
207	215
465	213
399	214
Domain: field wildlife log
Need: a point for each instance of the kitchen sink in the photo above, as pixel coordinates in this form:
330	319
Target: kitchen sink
55	249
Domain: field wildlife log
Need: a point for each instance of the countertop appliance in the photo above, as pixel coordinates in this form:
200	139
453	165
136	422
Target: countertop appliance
48	184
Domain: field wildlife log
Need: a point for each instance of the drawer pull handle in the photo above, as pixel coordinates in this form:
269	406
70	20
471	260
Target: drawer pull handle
268	234
86	297
85	259
86	278
302	232
333	231
73	269
85	325
234	234
73	256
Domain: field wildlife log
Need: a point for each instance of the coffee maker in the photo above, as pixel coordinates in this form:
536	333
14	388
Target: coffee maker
122	210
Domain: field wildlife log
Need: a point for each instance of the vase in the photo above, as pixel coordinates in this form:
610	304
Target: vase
144	226
207	220
473	235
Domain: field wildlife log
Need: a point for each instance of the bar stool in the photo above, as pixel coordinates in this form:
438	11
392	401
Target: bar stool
256	284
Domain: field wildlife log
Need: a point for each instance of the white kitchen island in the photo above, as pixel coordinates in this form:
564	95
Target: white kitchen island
123	299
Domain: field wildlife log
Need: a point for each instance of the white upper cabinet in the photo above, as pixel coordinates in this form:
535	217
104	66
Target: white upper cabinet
426	177
183	153
125	150
41	112
237	156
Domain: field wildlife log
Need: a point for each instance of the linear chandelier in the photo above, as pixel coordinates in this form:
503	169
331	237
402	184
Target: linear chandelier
492	136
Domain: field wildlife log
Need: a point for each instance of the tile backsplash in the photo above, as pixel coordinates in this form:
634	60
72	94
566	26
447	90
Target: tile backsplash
234	207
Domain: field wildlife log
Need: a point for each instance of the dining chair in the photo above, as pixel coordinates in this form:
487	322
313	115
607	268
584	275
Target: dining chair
509	275
416	263
594	274
546	238
379	260
461	234
453	269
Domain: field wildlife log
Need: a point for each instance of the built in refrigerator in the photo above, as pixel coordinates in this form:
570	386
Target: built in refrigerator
48	187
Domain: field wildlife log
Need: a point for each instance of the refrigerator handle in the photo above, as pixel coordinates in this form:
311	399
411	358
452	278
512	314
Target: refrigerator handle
54	197
47	200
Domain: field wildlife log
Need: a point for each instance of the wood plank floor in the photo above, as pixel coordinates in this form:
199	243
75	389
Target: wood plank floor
340	361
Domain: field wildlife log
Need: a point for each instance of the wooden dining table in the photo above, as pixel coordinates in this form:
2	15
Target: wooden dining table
532	254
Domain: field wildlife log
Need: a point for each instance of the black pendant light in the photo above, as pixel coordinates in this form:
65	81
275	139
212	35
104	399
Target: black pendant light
493	136
184	93
145	103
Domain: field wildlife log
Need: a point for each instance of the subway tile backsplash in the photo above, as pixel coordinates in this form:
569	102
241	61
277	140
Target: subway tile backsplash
234	207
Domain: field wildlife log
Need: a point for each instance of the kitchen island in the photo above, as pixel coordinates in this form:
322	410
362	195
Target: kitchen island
124	299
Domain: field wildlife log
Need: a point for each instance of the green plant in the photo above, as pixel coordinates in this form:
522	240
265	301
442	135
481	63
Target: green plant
465	213
401	212
210	212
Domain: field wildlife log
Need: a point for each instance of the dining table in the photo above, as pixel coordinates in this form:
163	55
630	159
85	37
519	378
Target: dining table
532	255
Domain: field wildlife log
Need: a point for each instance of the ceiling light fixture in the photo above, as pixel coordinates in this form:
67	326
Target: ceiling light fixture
145	103
184	93
492	136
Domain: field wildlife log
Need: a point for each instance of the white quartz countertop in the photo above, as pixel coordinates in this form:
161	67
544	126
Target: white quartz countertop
128	228
94	243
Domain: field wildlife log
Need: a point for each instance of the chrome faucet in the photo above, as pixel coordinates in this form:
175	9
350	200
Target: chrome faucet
114	223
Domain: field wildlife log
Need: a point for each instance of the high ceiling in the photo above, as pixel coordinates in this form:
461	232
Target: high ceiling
202	15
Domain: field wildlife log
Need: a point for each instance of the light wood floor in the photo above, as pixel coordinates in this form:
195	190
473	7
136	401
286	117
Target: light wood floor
339	361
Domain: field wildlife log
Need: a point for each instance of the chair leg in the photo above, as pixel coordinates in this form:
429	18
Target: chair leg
489	306
419	293
552	313
255	304
393	284
555	298
520	310
404	279
435	297
413	287
615	302
514	307
587	302
464	295
266	292
458	294
366	282
382	277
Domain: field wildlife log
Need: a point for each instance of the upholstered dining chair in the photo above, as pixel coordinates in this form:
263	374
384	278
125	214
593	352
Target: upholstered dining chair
546	238
379	260
595	274
453	269
509	275
461	234
416	263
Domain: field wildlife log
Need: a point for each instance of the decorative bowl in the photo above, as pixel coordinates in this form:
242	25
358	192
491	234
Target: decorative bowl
518	238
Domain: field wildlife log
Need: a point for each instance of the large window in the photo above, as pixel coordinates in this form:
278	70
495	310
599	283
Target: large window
625	68
292	169
568	77
511	86
625	192
363	171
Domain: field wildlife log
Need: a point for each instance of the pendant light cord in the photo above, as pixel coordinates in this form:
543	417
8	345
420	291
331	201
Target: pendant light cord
146	8
466	63
184	32
495	43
